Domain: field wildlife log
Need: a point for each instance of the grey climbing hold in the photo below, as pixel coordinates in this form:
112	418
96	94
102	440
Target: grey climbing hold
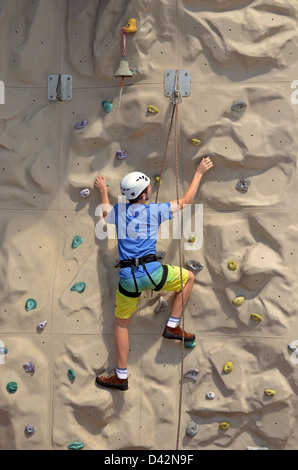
210	395
29	366
192	374
192	428
29	430
194	265
239	106
162	305
41	325
160	255
242	185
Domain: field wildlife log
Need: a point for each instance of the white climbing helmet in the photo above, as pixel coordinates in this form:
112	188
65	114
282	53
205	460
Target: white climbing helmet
133	184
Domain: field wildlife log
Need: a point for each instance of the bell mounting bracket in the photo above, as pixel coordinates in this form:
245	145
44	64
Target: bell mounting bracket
60	87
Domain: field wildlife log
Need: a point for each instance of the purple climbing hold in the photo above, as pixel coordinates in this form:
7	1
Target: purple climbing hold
29	429
81	124
29	366
121	154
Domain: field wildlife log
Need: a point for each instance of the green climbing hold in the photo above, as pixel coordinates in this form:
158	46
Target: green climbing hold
77	241
79	287
12	387
71	374
30	304
238	301
76	445
189	344
232	265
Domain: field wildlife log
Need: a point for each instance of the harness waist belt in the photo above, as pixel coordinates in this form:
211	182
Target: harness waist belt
128	263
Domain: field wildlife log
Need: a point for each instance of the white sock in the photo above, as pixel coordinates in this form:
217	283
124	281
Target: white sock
121	373
173	322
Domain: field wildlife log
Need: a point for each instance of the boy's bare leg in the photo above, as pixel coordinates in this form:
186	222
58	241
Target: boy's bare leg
121	339
177	302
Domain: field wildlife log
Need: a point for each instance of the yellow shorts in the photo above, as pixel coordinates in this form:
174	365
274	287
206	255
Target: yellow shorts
125	306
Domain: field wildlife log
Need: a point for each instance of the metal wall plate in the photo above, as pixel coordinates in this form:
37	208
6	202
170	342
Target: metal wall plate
60	87
182	82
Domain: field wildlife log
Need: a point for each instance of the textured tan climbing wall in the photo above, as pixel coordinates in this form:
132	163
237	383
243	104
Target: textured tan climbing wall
234	52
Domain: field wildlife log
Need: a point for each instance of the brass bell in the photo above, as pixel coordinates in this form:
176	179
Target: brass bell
123	70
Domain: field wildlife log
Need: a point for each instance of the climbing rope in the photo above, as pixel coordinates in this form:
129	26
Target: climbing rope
174	119
180	264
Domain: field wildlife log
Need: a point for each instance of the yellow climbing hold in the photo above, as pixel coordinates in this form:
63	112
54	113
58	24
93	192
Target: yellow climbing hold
269	392
196	142
192	238
131	26
224	425
157	180
232	265
238	301
228	367
152	109
256	317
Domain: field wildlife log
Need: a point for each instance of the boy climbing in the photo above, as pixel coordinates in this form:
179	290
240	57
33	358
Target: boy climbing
137	225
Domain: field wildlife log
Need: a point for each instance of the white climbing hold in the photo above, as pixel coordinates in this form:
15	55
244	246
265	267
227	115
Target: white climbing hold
85	192
162	305
41	325
210	395
256	448
192	374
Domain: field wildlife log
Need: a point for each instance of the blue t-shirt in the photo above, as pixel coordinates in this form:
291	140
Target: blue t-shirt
137	228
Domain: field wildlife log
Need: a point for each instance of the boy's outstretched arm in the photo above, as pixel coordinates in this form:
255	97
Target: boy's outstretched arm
204	166
101	185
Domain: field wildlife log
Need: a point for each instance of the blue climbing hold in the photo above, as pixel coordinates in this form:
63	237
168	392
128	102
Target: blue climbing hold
71	374
107	106
12	387
77	241
76	445
79	287
30	304
189	344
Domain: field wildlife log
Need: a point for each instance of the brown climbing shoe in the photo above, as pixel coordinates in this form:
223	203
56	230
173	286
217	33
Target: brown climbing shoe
112	381
176	333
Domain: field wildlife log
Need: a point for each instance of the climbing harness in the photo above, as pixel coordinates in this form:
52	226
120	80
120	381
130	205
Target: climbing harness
135	263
